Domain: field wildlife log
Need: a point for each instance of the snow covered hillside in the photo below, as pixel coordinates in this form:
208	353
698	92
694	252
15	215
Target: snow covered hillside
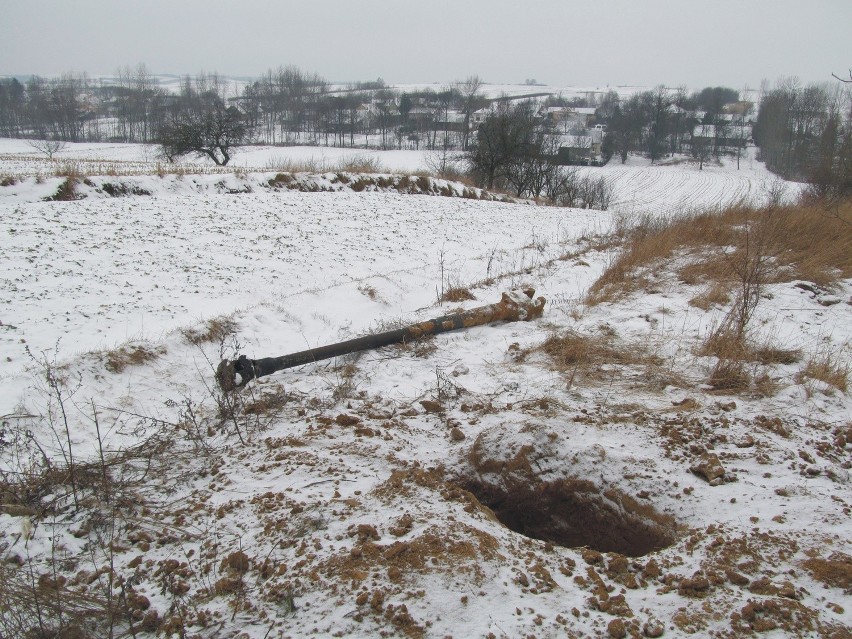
474	484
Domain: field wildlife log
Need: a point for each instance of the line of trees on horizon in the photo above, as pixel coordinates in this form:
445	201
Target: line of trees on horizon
283	106
804	132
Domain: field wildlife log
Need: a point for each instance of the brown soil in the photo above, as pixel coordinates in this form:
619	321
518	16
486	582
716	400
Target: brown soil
574	512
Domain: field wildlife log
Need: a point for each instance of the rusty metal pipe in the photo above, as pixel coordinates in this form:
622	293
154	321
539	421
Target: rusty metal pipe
514	306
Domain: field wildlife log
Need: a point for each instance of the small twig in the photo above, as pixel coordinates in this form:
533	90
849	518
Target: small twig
843	79
325	481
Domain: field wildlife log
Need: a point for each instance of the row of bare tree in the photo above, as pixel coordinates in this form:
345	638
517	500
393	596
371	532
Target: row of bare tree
284	105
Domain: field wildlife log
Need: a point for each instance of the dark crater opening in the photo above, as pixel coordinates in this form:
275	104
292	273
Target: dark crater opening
574	512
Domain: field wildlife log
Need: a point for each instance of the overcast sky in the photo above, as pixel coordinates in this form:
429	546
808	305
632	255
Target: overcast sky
558	42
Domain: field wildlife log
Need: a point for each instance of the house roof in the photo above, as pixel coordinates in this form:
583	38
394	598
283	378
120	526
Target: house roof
582	141
733	132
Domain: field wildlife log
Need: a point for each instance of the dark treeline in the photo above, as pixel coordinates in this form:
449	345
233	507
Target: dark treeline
78	109
662	122
805	133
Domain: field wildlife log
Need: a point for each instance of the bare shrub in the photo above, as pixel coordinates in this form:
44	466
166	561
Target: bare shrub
568	187
361	164
596	193
38	604
67	191
444	163
37	599
776	192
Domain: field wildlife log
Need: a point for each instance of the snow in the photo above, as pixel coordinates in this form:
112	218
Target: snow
293	270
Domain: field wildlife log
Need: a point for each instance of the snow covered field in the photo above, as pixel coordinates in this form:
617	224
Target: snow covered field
640	187
95	273
345	498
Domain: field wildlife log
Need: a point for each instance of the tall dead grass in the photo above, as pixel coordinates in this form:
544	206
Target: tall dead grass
793	242
600	357
827	367
734	254
352	164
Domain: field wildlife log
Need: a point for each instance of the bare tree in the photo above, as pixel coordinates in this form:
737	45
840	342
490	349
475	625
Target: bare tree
211	133
470	100
49	147
702	145
442	162
656	105
500	140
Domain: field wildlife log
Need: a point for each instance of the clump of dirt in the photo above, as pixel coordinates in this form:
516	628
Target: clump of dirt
453	549
836	571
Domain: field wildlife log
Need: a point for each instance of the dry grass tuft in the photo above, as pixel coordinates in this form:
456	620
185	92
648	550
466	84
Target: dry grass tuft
570	349
131	355
213	330
457	294
370	291
594	357
730	375
266	403
715	295
768	355
731	372
827	367
801	242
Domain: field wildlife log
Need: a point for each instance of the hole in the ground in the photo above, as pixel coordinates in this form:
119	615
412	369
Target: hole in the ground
574	512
